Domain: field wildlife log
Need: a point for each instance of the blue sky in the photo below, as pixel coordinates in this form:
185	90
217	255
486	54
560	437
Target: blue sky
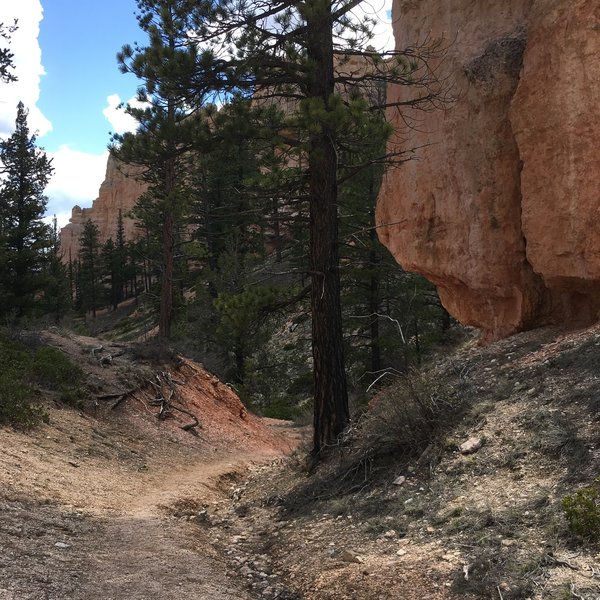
65	55
79	41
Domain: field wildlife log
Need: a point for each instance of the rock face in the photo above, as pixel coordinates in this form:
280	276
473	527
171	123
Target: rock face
119	191
499	210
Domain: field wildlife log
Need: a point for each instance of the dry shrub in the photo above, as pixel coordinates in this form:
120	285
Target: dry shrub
406	422
411	415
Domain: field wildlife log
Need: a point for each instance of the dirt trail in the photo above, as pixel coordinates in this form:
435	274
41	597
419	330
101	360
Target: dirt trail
86	512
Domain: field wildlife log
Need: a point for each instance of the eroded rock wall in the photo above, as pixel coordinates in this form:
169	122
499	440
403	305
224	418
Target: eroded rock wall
119	191
498	209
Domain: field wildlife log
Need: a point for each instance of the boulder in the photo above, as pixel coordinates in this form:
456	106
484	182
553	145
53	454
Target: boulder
497	210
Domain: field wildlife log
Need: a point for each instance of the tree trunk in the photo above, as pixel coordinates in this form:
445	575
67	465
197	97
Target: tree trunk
168	248
374	284
331	413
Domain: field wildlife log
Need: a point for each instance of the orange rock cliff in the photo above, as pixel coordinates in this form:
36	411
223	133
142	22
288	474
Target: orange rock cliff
119	191
501	208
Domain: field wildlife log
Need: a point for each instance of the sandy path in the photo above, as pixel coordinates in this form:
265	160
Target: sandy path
75	525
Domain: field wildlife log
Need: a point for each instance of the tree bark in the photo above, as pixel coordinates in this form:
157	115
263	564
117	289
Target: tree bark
168	248
331	413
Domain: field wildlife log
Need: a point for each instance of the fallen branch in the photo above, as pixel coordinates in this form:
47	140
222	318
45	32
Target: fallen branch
191	427
119	400
120	396
164	401
114	395
105	360
561	563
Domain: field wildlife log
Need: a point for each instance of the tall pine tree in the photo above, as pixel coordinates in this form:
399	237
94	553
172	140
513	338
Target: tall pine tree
90	269
312	57
24	237
165	66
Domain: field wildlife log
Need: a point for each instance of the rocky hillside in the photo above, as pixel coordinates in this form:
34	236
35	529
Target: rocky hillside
500	209
468	505
475	514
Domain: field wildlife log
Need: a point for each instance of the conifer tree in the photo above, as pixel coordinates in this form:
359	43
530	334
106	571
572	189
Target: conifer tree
301	53
120	271
57	289
7	64
110	269
89	270
24	237
165	67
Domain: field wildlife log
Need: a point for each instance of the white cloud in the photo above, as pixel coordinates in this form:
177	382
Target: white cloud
380	12
119	120
76	180
28	66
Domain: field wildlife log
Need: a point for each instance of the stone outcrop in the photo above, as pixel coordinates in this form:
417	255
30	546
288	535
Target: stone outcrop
119	191
499	209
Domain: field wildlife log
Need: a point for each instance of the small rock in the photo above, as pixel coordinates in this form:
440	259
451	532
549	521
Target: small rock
471	446
246	572
350	557
508	542
402	552
399	480
390	534
61	545
73	464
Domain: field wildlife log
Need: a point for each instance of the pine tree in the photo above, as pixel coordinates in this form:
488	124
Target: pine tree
56	297
7	64
287	52
110	267
89	270
165	66
24	237
120	270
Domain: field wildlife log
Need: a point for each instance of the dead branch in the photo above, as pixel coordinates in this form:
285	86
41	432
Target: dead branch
115	394
191	427
120	396
164	399
105	360
119	400
560	562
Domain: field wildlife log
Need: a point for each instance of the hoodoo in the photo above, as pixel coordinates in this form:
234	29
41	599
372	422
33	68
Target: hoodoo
119	191
500	210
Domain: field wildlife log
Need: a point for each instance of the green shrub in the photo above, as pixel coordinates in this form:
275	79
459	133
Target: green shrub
23	368
582	511
52	368
16	408
16	391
